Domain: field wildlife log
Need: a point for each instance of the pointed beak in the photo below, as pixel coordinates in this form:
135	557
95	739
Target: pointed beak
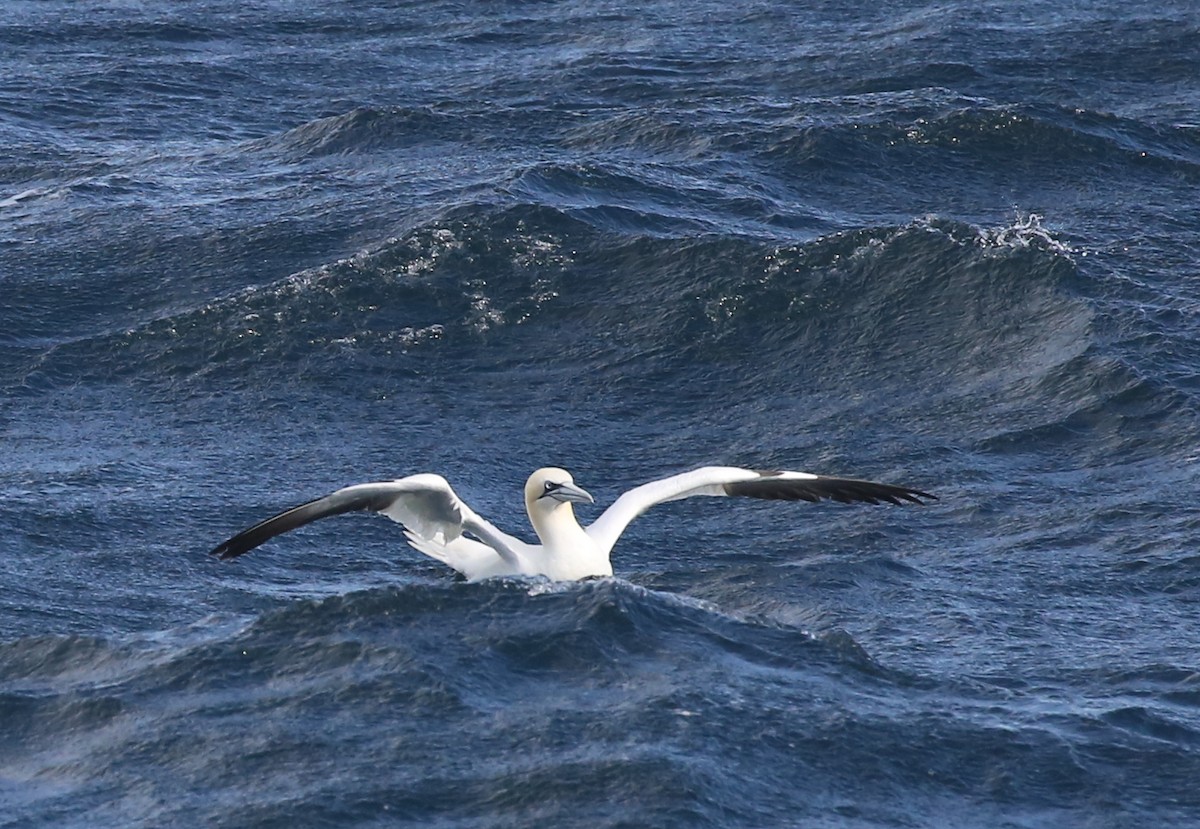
572	493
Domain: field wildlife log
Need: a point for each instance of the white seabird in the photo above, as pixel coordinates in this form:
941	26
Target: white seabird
437	522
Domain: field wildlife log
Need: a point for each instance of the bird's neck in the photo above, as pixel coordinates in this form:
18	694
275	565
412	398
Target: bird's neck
568	552
557	528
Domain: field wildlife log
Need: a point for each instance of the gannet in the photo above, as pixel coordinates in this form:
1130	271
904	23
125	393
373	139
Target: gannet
437	522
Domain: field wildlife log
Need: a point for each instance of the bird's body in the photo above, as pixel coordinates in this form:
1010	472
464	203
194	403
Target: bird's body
437	522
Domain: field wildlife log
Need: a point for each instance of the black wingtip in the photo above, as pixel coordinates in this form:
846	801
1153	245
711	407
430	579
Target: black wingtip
351	499
224	552
914	496
774	487
242	543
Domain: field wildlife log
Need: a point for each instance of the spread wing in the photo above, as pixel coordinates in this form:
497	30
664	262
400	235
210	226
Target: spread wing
731	481
425	504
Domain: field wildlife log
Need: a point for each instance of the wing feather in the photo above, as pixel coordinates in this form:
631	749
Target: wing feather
782	487
424	504
731	481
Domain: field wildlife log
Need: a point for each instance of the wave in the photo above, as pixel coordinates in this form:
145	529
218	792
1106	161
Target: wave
365	130
907	131
415	651
894	133
511	627
588	626
995	327
448	277
478	270
518	696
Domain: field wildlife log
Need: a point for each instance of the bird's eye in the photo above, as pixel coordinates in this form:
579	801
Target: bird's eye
551	486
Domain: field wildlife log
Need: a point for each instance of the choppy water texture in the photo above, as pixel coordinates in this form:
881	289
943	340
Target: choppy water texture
253	252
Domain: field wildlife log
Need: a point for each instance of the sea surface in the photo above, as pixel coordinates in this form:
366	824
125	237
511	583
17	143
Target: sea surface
253	252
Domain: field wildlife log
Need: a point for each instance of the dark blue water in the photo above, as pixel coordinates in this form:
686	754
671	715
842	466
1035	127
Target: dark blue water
250	253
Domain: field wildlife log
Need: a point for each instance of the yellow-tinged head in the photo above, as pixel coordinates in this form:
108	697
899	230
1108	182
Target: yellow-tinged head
550	488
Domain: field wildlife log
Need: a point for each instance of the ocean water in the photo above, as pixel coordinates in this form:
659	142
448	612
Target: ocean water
250	253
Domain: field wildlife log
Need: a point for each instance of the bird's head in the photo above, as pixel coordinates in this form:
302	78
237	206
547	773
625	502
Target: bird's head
549	489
